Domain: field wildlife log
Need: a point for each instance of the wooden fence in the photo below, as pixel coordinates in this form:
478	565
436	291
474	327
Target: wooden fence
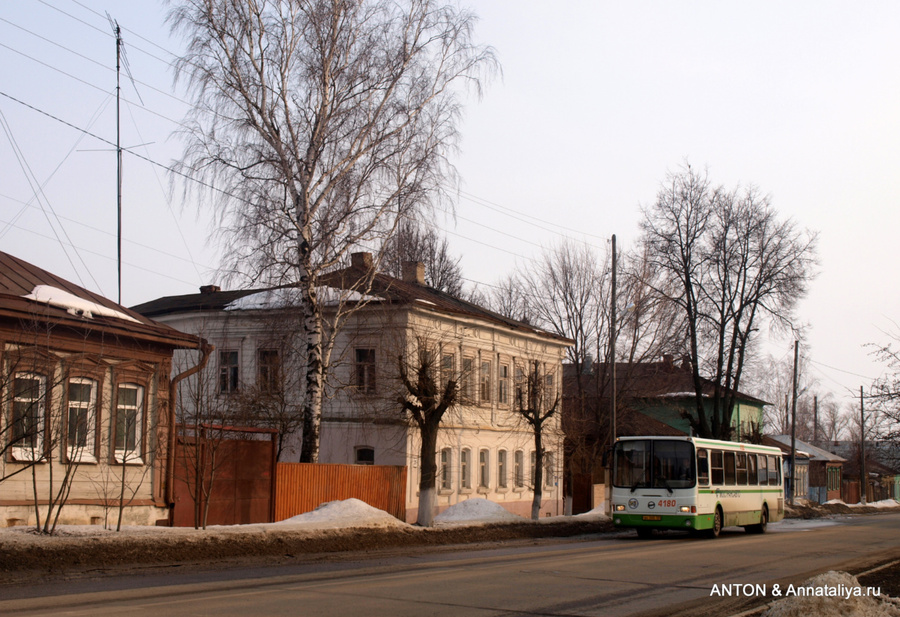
302	487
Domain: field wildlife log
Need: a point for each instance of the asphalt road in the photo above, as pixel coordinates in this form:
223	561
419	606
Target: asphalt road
603	575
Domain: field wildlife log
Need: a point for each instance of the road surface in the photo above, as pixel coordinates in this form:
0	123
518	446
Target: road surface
604	575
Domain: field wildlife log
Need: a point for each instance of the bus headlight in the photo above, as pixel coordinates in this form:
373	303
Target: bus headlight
620	507
691	509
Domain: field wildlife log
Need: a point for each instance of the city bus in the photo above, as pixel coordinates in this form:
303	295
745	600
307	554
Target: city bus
693	484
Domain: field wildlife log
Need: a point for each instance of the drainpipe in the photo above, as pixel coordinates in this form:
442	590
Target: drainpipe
206	349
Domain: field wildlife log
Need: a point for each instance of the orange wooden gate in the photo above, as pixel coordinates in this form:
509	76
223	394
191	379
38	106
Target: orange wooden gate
302	487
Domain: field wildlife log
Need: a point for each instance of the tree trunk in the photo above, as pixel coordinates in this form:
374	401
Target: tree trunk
538	473
428	467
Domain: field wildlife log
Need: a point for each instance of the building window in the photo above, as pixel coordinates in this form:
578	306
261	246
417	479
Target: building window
519	470
501	469
446	483
228	371
129	423
549	391
365	370
484	469
29	391
82	419
520	388
464	461
467	378
446	368
365	455
533	466
549	478
503	385
268	370
485	382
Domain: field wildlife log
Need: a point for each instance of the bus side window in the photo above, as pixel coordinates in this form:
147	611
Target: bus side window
752	477
730	474
702	468
718	467
774	468
763	470
740	460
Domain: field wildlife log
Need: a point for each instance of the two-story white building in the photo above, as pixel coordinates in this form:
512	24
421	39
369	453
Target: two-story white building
485	449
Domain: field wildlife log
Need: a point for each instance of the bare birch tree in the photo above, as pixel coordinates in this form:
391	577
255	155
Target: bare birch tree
321	123
731	265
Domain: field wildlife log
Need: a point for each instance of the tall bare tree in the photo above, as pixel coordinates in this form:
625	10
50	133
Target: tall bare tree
730	264
321	124
428	393
416	242
536	401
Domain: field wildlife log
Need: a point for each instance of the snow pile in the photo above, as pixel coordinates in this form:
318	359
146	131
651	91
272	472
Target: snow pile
346	513
838	594
598	514
475	510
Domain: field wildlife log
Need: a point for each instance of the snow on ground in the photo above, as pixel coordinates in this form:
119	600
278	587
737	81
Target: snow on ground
833	594
884	503
801	524
478	510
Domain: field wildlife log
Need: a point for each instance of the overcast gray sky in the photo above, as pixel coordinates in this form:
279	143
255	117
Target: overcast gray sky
597	102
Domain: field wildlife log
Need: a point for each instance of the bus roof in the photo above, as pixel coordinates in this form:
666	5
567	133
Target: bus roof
708	443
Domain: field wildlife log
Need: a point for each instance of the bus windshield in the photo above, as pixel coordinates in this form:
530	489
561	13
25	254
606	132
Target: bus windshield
654	463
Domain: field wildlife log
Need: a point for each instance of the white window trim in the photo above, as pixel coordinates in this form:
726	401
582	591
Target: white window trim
84	454
36	451
123	455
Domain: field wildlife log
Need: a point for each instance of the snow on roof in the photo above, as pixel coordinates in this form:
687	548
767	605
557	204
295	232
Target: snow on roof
73	304
290	296
475	510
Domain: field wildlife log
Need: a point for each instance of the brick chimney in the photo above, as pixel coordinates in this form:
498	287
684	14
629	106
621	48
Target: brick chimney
362	261
210	289
413	272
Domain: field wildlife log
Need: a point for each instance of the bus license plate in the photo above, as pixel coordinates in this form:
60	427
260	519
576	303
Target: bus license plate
652	518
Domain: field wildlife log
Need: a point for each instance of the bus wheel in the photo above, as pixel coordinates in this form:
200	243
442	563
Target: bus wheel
763	522
644	532
717	525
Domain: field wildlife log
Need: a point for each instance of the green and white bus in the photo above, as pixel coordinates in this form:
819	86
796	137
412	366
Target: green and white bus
698	485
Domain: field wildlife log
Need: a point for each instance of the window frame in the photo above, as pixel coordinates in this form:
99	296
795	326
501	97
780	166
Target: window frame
502	464
363	449
87	453
229	374
268	373
37	450
484	469
467	380
465	480
485	383
519	469
365	374
503	384
445	473
124	455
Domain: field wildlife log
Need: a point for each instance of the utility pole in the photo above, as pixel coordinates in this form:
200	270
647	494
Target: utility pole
118	32
815	419
794	425
863	477
612	349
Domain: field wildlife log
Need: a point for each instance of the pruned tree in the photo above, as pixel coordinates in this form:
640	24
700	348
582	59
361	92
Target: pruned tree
415	242
321	124
536	401
429	392
730	264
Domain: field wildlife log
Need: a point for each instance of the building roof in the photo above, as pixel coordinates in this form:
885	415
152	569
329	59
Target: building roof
361	282
29	292
815	453
651	380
